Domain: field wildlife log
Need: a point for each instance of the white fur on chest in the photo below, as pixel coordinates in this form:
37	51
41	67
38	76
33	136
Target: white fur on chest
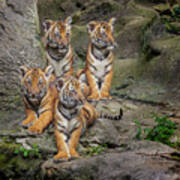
59	66
101	67
67	125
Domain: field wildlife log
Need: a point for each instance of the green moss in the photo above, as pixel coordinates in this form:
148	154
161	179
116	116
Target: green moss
122	70
16	166
76	17
141	10
49	9
7	146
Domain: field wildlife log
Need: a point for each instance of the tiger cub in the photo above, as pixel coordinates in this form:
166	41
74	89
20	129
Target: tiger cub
99	64
57	43
72	115
39	97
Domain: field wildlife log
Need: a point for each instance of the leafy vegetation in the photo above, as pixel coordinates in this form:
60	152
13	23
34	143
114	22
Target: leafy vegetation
34	152
161	132
139	130
94	150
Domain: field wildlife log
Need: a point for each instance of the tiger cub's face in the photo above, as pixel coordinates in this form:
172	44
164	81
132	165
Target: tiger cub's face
101	33
70	95
35	82
58	34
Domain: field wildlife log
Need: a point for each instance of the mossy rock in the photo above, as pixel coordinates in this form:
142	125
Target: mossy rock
14	166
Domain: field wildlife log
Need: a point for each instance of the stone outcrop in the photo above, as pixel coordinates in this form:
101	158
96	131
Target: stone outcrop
19	45
145	82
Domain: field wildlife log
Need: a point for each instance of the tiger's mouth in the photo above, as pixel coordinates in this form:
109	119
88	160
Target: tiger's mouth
57	53
35	99
33	102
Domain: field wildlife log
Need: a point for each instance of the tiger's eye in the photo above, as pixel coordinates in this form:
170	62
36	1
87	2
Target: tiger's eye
71	88
40	81
67	34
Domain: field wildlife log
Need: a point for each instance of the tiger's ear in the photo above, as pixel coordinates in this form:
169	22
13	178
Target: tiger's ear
46	25
59	84
91	26
23	70
48	71
112	22
68	20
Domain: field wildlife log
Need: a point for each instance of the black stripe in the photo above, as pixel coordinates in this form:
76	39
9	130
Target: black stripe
64	115
106	73
104	55
45	111
66	134
110	117
86	111
91	65
32	106
59	124
64	67
57	59
108	65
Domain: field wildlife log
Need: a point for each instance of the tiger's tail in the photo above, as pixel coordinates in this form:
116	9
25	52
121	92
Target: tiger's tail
111	117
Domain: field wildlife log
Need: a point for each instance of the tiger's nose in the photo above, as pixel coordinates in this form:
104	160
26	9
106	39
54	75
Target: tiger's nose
35	95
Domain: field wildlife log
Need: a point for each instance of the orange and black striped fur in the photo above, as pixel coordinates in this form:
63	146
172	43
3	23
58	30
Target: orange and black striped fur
99	63
72	115
57	43
39	97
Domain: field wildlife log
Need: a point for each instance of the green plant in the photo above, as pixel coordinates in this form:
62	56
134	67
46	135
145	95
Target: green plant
139	130
162	132
33	152
94	150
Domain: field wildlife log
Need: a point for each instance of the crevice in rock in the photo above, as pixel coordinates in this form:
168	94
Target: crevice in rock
152	103
2	29
10	5
80	6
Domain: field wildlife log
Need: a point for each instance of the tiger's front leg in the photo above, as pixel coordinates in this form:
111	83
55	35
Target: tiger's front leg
31	117
62	146
74	140
106	86
94	92
43	121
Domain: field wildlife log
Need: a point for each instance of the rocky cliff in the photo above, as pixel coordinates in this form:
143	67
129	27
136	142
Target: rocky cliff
145	85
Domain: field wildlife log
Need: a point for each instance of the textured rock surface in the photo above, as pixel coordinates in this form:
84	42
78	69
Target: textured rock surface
125	165
146	60
19	45
146	78
116	155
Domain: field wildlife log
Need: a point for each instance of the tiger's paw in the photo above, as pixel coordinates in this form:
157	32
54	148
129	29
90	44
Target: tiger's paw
26	122
35	129
93	98
74	153
61	157
25	126
105	96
